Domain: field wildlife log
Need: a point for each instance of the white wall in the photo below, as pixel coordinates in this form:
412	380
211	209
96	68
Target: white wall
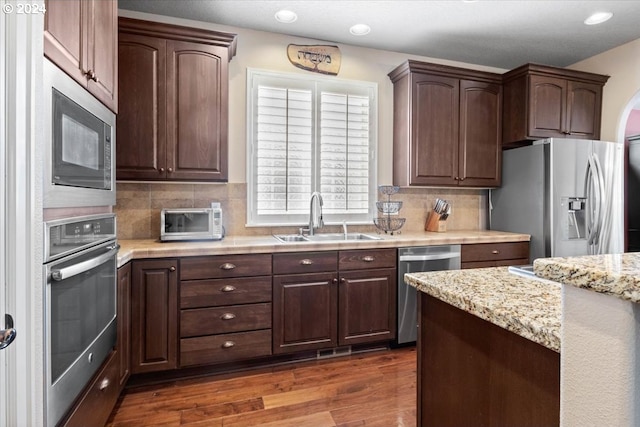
258	49
623	88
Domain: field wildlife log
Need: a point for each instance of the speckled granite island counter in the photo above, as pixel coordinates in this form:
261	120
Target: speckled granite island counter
488	342
600	363
529	308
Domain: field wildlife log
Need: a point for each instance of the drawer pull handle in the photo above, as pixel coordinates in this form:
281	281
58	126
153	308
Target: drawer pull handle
306	261
228	288
228	344
495	252
227	266
228	316
172	269
103	384
368	258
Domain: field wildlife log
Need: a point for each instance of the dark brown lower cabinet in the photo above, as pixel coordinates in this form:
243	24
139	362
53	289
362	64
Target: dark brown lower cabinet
347	298
305	315
154	320
123	343
364	313
482	255
474	373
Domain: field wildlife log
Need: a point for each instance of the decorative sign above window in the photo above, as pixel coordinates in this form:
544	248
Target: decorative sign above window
322	59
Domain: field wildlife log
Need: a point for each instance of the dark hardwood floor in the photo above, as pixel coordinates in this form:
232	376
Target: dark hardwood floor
368	389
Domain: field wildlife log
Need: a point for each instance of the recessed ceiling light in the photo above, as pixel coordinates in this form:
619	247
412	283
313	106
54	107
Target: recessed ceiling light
598	18
360	29
286	16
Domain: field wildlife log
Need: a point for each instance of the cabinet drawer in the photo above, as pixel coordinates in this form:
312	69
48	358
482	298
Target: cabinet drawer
217	292
366	259
217	267
222	320
224	348
497	263
100	397
305	262
494	251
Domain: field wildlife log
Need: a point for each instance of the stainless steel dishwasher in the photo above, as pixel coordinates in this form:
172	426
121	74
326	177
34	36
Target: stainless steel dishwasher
413	260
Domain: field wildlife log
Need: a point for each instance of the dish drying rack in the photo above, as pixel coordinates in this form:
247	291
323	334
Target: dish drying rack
385	222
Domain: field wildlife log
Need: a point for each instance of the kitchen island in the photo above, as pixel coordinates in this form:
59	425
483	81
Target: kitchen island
488	348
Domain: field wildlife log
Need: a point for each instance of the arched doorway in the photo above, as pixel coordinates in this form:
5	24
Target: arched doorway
629	132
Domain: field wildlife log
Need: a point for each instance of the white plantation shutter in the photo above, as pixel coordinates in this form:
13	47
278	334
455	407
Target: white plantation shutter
308	135
284	157
344	153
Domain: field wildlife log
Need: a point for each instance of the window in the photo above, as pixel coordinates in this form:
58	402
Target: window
305	135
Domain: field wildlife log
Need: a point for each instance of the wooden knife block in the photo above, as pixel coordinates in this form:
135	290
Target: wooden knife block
433	223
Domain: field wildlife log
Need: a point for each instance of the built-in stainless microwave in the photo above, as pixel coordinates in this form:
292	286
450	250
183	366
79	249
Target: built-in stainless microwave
191	224
80	135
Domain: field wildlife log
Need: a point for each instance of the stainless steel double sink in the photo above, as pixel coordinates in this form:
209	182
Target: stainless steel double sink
324	237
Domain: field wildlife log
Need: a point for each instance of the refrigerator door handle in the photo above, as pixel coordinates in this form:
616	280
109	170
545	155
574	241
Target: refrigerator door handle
593	195
601	203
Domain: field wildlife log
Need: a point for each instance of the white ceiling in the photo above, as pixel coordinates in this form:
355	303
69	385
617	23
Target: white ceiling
502	34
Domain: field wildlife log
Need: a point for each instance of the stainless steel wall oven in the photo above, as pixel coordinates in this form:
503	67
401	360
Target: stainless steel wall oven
80	305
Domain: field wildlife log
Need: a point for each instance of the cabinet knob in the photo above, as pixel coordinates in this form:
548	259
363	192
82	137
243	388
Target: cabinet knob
343	280
170	170
306	261
368	258
228	344
334	281
172	269
227	266
161	170
462	179
103	384
91	75
495	252
457	178
228	316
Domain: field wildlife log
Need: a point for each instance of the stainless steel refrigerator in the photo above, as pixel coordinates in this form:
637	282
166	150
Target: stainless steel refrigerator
568	194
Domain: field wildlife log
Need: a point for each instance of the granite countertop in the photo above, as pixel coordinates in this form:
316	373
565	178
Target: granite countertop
134	249
528	307
617	275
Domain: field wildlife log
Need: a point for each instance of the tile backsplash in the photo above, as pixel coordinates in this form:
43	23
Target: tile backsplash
138	208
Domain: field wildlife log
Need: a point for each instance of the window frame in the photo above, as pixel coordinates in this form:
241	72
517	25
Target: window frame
316	83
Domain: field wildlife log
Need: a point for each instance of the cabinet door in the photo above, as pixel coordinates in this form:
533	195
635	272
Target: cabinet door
141	122
154	315
547	107
367	301
123	344
197	92
102	51
480	134
584	106
64	36
434	126
304	312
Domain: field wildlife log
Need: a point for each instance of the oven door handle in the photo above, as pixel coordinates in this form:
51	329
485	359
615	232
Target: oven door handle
64	273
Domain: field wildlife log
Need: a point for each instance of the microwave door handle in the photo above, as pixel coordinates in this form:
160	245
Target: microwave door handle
64	273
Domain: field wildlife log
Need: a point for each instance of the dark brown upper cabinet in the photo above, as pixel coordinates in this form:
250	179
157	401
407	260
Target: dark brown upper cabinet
447	126
174	84
80	37
548	102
